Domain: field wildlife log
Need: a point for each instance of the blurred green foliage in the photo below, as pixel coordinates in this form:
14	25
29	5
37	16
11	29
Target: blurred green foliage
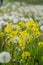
29	1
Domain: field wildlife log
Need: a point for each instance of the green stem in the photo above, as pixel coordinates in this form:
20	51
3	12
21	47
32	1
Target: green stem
12	54
5	64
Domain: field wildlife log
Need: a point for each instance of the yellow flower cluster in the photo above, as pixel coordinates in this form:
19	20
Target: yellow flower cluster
25	54
26	31
33	29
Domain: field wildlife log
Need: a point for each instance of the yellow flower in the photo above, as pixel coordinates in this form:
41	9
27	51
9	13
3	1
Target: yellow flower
10	23
40	44
21	23
8	28
25	54
12	34
36	33
1	33
23	33
22	42
29	23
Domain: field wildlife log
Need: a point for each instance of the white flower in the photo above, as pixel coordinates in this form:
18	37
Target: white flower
16	39
22	19
17	3
26	20
5	16
3	22
5	57
1	18
41	23
41	28
10	18
15	20
30	19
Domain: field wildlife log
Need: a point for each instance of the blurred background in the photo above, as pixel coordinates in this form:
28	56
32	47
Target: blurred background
27	1
30	1
22	9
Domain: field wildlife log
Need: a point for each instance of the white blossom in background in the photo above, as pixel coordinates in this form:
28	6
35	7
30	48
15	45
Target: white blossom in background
16	39
30	19
17	3
1	18
41	28
5	23
22	18
41	23
15	20
26	19
15	27
14	12
5	57
5	16
11	18
1	22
